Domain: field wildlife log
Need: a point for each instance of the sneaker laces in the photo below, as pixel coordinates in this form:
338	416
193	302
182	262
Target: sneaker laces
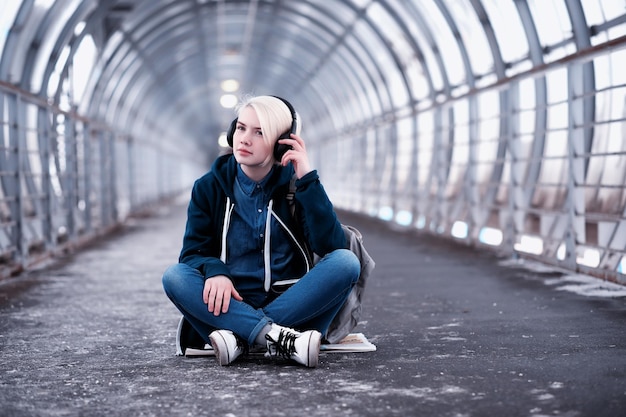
285	346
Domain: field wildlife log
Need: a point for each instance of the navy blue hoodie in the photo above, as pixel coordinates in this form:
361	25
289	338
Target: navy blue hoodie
315	225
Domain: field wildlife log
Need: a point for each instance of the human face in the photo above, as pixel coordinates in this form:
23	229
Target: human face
249	147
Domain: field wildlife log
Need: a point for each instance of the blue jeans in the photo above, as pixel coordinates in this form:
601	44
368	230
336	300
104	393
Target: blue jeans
311	303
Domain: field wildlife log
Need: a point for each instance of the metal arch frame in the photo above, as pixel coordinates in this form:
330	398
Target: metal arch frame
442	160
17	161
12	38
421	205
504	98
138	41
164	80
479	220
423	27
434	214
360	13
113	70
47	121
366	179
32	54
66	38
321	25
391	149
581	82
138	60
101	78
351	53
23	230
333	48
523	187
13	244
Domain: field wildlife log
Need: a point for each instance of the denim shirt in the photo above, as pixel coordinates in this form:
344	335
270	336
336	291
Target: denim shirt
246	237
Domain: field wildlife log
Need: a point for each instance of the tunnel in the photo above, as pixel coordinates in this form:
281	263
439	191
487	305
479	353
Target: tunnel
484	122
494	126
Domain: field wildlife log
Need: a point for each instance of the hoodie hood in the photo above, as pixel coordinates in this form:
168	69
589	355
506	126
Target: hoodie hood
225	171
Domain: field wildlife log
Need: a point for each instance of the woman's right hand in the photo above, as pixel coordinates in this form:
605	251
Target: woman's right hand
217	293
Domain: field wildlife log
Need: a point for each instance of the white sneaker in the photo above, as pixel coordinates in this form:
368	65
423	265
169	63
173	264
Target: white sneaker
301	347
226	345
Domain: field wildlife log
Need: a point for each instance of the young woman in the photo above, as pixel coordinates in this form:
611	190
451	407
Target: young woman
245	276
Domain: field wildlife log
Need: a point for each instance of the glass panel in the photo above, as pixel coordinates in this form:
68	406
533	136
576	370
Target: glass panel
359	82
360	3
557	116
388	28
557	85
508	28
472	34
527	109
338	10
55	77
488	135
553	26
51	36
399	40
551	186
8	11
432	69
609	70
425	139
405	151
460	148
600	11
608	170
417	80
615	32
372	41
446	45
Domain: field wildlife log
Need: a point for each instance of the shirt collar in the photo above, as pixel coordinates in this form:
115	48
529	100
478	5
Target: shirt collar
247	185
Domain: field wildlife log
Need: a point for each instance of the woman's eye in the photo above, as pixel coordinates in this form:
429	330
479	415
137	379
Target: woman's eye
259	133
240	128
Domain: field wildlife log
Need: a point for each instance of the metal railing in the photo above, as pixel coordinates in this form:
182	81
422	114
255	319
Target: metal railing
66	179
554	191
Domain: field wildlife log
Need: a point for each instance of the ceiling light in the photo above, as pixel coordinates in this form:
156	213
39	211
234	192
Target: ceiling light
223	141
230	85
228	101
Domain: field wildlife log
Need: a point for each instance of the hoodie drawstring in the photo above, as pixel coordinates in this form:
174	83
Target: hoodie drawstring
267	282
227	216
266	248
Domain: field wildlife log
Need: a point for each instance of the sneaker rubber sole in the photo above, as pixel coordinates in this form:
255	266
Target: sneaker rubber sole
219	346
314	349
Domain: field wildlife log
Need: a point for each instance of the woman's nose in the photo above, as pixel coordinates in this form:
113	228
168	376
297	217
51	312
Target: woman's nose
245	138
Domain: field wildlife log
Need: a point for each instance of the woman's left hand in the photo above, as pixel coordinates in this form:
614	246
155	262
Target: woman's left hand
297	155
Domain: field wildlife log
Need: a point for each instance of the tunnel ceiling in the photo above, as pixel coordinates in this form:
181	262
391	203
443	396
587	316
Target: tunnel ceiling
161	63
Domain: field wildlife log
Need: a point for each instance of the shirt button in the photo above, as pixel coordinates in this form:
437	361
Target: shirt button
261	235
260	210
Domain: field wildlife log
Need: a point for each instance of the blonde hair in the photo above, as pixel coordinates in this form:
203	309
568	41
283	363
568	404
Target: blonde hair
274	116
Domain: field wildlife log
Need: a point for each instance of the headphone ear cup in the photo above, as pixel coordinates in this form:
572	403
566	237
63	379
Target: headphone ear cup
280	148
231	132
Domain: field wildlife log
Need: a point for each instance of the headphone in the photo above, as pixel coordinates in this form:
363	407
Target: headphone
279	148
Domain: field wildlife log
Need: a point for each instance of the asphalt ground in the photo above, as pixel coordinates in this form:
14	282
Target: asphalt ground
459	332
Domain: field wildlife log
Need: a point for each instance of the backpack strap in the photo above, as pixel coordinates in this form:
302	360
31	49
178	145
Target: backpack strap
291	195
291	200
